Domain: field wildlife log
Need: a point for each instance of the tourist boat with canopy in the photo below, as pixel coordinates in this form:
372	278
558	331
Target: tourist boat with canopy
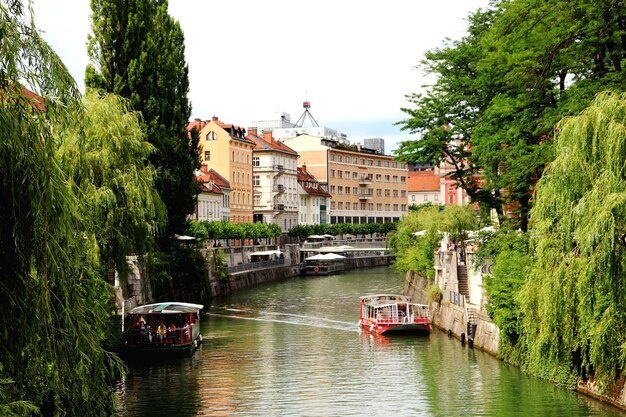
385	314
163	327
324	264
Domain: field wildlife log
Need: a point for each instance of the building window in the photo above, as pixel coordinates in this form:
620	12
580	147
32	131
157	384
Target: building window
395	207
340	205
362	206
332	156
339	158
339	174
256	180
395	165
379	206
332	189
370	162
347	175
387	193
340	190
332	205
403	207
425	197
379	192
395	193
348	190
386	164
207	155
332	173
370	206
387	207
355	206
256	162
412	197
378	163
395	178
386	178
403	179
403	193
355	190
436	197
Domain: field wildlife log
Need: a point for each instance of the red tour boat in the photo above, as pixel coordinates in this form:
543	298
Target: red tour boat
393	314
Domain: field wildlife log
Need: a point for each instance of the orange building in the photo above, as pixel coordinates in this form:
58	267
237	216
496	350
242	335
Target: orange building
224	148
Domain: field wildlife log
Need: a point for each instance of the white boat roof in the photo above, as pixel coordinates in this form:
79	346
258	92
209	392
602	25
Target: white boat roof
316	237
383	300
167	308
324	257
267	252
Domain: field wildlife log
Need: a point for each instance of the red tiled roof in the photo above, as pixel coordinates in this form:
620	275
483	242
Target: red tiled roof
304	177
263	144
213	190
197	123
211	174
423	181
36	100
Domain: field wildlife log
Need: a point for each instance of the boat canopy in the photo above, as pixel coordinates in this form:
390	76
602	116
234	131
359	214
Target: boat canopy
267	252
167	308
324	257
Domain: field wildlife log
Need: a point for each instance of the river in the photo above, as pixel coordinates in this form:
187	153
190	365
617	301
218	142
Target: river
293	349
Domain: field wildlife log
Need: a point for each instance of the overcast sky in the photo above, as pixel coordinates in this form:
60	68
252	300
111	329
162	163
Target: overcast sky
354	60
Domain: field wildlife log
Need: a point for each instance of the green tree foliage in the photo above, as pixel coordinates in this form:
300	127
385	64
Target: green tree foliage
500	91
105	155
416	252
53	306
205	230
508	253
574	315
138	52
302	231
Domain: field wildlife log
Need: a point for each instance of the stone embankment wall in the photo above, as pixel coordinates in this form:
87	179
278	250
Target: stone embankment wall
450	317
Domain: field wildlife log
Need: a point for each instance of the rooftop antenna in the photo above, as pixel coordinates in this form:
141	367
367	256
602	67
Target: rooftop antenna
306	115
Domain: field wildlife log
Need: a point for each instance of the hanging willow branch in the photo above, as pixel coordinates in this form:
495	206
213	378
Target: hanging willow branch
53	305
574	303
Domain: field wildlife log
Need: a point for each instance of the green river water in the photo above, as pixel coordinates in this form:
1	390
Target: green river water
293	349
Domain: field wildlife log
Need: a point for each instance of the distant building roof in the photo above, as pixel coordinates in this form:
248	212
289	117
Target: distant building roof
420	181
309	183
268	143
210	175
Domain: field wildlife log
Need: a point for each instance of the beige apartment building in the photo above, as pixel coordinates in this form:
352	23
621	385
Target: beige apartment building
365	187
224	148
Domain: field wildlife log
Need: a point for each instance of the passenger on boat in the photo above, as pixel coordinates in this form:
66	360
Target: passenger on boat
161	332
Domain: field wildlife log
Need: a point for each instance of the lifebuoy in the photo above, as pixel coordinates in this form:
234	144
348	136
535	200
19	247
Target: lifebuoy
316	269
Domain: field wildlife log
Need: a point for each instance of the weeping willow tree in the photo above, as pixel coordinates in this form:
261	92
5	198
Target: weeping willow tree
106	155
53	304
574	302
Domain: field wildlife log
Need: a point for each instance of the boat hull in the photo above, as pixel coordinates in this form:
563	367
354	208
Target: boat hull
419	329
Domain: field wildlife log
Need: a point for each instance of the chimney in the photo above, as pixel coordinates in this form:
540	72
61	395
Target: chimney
267	135
252	131
197	119
304	167
214	118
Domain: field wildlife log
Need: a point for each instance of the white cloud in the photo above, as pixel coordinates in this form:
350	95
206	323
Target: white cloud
354	60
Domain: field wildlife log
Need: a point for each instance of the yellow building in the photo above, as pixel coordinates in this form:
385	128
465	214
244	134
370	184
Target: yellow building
366	187
224	148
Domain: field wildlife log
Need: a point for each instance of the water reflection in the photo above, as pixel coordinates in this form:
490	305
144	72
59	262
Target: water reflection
294	349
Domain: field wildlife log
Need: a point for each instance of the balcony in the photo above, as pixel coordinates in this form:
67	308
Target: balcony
365	179
279	207
278	188
366	196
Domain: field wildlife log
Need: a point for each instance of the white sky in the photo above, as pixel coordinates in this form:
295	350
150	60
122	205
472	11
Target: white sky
354	60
